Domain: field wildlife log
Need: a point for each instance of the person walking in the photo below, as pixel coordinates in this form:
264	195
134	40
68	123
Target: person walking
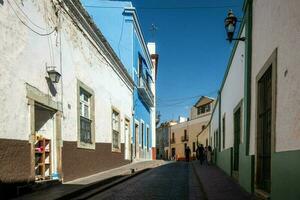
201	154
187	154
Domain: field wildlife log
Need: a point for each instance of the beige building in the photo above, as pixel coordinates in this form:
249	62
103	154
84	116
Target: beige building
191	132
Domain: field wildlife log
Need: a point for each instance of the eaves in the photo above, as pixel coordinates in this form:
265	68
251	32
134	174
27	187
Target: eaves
84	21
132	11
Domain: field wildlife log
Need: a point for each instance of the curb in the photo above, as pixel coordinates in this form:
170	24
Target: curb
200	183
99	186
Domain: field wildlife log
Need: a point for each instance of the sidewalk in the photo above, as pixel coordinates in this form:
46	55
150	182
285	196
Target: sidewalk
105	177
217	185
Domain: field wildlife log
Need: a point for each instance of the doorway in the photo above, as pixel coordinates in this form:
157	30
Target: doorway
136	141
264	131
44	128
236	142
173	154
127	139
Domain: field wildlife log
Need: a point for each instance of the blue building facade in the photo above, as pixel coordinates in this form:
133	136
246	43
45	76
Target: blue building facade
119	24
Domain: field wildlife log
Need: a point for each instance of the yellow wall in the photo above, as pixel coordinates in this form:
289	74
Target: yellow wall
193	127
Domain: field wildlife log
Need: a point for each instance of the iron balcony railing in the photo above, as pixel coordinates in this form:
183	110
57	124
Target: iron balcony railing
145	92
185	138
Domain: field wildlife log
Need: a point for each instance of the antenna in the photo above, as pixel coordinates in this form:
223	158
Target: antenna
153	30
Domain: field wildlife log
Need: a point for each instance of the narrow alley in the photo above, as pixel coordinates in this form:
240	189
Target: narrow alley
110	99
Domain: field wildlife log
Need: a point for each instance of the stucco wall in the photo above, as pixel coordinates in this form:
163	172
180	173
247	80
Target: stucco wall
232	93
193	127
276	24
214	124
20	64
80	61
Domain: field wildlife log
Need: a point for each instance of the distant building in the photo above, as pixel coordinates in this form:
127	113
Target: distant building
192	132
162	140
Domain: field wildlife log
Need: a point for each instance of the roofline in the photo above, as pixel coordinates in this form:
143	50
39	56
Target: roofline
232	55
132	10
83	18
212	99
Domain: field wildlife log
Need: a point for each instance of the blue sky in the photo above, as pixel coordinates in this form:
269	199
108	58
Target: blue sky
191	43
192	48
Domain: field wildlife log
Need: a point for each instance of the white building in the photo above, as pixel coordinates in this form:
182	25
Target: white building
85	118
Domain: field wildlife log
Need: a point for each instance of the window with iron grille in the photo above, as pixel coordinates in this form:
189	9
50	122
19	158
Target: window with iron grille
115	130
85	117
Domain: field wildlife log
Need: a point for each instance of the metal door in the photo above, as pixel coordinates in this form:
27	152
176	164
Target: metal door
237	133
264	131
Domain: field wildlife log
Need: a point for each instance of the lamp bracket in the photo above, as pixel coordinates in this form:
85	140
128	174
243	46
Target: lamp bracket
240	39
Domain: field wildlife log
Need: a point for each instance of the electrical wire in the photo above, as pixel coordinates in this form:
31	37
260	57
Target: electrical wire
26	16
41	34
187	98
168	8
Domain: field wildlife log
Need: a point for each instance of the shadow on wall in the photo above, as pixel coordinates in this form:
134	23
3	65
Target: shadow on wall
1	2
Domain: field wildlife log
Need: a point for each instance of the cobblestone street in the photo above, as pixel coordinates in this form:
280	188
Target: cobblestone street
167	182
178	180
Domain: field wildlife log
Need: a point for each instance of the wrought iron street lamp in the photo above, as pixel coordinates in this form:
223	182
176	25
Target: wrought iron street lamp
230	26
53	74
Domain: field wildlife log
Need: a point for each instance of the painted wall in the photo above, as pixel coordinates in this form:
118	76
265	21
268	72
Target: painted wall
121	28
267	14
18	66
229	99
266	38
193	127
214	124
24	58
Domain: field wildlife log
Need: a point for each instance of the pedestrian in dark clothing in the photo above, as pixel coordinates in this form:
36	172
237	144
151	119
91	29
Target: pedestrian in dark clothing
197	152
187	154
201	154
208	155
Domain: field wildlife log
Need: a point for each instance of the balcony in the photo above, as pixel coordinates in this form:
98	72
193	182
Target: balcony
172	141
184	138
145	92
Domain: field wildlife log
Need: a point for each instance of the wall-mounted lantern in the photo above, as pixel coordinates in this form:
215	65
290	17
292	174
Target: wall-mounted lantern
230	25
53	74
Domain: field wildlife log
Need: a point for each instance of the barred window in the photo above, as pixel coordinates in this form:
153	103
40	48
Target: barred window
115	130
85	117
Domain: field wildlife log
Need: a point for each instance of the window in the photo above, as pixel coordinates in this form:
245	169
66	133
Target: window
223	131
85	117
207	108
115	130
203	109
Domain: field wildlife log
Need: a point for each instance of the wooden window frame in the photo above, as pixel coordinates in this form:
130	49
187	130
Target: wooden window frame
83	87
